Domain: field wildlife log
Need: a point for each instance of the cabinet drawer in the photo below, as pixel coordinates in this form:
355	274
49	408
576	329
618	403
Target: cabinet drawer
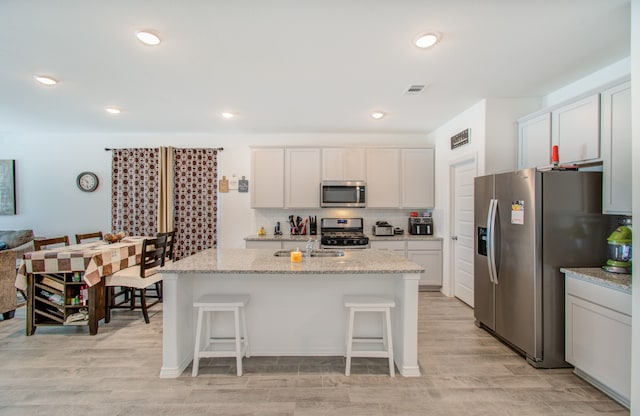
388	245
600	295
262	244
424	245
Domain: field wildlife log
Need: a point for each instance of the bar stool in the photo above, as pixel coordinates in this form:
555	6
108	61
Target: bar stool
370	347
221	347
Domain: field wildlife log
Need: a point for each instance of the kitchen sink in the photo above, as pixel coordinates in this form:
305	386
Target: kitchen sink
314	253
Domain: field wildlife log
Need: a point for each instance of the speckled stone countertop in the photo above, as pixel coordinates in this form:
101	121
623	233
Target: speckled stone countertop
403	237
599	276
263	261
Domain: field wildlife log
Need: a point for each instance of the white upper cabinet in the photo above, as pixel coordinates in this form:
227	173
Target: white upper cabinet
616	149
417	178
343	164
534	141
383	178
302	178
575	128
267	178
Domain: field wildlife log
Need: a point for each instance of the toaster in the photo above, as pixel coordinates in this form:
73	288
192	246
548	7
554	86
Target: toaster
421	226
382	228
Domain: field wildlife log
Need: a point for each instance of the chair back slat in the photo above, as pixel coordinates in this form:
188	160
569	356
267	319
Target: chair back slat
171	235
153	252
44	243
81	237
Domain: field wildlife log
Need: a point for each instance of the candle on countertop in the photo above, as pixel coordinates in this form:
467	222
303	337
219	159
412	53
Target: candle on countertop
296	256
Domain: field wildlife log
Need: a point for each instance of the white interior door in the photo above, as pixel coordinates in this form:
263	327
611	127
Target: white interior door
462	234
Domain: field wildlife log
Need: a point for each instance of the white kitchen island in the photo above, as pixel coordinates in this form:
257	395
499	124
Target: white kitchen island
295	308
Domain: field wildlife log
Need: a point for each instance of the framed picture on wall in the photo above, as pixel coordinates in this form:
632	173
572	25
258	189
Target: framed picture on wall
7	187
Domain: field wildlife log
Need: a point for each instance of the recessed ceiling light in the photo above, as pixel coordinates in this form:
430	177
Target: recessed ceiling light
112	110
45	79
227	115
377	115
426	40
148	37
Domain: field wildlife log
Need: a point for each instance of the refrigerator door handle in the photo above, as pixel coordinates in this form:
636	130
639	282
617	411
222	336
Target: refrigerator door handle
489	240
491	227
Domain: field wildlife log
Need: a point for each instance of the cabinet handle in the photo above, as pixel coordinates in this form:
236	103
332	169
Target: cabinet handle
454	238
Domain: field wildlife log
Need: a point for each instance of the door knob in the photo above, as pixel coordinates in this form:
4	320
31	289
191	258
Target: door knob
454	238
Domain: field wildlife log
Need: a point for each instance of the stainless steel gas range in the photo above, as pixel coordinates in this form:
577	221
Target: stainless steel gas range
343	233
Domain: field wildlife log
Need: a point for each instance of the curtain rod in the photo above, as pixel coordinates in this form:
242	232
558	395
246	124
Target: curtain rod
219	149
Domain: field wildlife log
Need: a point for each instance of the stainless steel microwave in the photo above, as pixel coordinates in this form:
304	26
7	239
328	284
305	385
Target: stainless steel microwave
350	194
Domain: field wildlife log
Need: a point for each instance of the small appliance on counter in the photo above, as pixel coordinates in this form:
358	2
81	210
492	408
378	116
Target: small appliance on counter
382	228
619	248
420	225
398	231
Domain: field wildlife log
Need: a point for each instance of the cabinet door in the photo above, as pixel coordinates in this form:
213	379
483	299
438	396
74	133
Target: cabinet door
534	142
575	128
431	260
417	178
302	174
616	149
383	178
388	245
598	335
343	164
267	178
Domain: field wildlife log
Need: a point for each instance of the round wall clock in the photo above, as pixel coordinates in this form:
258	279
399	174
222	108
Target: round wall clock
87	181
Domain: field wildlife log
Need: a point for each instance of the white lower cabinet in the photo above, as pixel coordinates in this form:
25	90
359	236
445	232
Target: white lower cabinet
598	336
427	254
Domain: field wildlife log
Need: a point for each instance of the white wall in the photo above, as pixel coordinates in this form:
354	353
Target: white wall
473	119
49	201
611	73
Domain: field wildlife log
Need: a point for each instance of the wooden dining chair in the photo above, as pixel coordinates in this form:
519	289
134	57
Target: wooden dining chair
168	259
80	238
171	235
45	243
137	279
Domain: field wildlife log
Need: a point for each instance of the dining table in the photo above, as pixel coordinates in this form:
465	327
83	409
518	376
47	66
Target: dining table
73	266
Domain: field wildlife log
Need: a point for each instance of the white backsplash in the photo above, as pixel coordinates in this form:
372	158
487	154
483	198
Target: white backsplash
267	218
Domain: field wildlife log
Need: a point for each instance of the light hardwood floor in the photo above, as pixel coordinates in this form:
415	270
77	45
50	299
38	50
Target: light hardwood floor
64	371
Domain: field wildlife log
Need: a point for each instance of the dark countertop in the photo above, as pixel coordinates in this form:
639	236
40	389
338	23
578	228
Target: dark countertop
599	276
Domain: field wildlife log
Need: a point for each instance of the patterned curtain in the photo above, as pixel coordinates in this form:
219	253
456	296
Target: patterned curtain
134	198
196	200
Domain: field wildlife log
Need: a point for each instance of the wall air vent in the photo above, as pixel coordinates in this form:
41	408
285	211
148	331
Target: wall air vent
414	89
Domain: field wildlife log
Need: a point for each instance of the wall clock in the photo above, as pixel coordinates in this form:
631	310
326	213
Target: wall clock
87	181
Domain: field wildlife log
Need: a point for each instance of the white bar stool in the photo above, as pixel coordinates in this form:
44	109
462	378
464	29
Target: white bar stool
370	347
237	346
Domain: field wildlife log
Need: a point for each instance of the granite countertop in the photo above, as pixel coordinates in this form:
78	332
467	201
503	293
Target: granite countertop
263	261
403	237
599	276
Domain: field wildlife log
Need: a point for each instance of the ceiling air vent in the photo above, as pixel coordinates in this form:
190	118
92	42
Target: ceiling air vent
414	89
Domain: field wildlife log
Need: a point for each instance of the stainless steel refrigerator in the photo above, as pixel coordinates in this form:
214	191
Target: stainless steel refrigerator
528	225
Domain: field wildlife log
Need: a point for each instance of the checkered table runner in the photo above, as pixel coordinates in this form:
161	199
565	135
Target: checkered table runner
95	260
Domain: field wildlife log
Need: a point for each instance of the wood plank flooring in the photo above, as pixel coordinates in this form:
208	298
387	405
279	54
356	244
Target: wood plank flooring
64	371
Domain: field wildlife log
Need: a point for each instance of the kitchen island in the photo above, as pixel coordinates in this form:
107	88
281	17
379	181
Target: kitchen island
295	308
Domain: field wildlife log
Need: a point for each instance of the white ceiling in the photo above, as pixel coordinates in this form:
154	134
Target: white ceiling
290	65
